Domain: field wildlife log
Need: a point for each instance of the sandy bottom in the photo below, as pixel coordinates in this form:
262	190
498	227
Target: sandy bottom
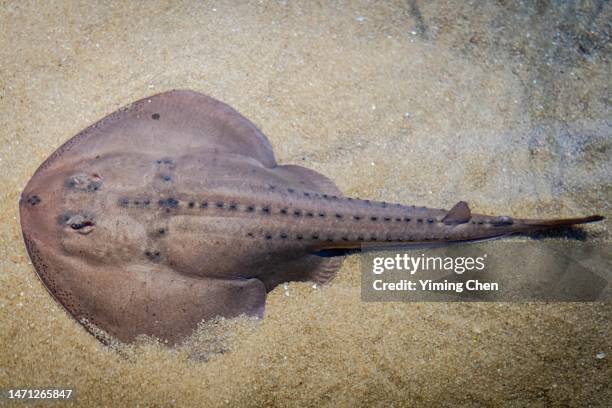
502	105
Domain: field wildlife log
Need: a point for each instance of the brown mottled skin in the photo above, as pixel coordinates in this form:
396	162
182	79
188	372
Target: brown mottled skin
173	210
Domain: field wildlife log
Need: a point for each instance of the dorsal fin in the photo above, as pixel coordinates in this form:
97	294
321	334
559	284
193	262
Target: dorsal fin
459	214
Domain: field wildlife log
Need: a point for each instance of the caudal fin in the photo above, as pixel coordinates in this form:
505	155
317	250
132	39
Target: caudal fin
564	222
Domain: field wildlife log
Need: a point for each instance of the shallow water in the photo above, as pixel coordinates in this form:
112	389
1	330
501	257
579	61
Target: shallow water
502	104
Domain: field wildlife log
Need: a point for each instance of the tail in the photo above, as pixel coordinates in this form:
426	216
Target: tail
560	223
393	225
460	215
